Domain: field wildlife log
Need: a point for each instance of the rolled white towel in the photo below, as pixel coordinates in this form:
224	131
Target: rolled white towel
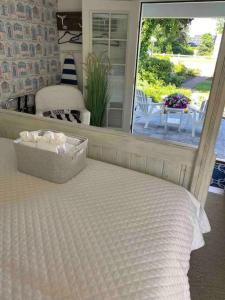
50	141
60	138
55	138
47	137
32	136
53	141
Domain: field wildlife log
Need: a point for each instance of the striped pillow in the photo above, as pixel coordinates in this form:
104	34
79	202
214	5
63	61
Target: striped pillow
64	114
69	73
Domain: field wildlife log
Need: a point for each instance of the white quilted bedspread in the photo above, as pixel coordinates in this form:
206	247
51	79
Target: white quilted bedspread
109	234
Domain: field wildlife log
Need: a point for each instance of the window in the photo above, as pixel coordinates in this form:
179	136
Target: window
179	46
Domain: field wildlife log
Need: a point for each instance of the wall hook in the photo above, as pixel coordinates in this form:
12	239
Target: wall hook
62	20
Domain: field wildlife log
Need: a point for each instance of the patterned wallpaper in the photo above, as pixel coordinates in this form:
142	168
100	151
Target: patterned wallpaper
29	53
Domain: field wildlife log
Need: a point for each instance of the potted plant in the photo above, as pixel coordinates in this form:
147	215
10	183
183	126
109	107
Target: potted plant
179	101
97	95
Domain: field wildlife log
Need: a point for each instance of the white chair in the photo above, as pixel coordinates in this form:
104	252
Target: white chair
174	117
61	97
198	116
148	108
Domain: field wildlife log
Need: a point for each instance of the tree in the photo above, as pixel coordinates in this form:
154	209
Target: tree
206	45
169	33
220	25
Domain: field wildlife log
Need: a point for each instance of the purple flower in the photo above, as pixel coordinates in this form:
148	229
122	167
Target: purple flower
177	101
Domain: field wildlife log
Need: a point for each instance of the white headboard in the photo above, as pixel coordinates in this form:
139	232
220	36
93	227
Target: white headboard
169	161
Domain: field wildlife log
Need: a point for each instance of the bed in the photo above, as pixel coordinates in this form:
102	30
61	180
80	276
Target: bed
109	233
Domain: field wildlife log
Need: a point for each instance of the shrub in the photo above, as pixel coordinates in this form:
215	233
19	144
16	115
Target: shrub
180	69
177	79
207	45
188	50
160	69
148	77
193	72
182	73
158	91
179	48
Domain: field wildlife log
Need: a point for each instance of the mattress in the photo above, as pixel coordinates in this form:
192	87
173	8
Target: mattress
110	233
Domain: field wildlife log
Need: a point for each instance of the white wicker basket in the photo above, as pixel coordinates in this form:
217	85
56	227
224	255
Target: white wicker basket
58	168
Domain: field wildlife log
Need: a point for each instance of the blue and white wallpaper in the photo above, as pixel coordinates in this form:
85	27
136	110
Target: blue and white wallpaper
29	53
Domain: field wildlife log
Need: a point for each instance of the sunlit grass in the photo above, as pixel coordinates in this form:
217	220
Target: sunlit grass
204	86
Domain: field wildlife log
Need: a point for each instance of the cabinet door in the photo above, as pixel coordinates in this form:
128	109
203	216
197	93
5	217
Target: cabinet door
113	28
109	35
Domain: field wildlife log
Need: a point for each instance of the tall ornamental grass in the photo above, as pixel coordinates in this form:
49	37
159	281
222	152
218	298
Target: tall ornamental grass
97	94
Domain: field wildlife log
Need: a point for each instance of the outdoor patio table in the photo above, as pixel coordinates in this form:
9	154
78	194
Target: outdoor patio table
173	117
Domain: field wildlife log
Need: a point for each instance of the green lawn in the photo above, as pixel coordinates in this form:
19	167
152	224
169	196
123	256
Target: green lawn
204	86
198	59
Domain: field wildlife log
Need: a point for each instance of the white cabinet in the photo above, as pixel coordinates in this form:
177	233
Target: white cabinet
112	27
109	35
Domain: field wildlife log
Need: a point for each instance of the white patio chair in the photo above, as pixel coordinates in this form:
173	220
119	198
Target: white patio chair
173	117
58	97
198	116
148	108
